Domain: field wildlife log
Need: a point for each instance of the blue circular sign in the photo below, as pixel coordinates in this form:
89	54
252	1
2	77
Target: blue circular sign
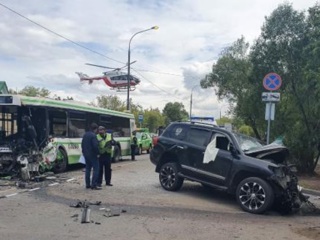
272	82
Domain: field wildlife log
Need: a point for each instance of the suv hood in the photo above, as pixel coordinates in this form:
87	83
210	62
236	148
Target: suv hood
276	153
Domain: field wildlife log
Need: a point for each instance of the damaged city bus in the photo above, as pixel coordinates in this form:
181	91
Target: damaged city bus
40	134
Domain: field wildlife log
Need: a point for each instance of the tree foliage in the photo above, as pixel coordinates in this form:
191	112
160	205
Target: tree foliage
152	119
32	91
111	102
289	44
223	120
174	111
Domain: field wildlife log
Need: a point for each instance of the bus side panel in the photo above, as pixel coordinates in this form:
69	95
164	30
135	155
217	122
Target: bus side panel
125	145
72	147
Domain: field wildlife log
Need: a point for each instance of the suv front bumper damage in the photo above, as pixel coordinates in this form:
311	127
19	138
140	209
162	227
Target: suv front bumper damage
289	196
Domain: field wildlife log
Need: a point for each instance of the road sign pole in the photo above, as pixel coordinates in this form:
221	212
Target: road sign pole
271	82
269	121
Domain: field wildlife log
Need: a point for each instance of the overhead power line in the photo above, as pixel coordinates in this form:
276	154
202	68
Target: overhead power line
166	73
93	51
77	44
161	89
59	35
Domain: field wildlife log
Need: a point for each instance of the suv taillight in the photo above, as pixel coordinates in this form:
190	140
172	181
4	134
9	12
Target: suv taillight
155	140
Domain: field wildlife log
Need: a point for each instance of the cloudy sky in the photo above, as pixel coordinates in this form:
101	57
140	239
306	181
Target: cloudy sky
170	61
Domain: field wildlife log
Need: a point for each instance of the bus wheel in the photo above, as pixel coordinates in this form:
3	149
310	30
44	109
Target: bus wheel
116	154
61	163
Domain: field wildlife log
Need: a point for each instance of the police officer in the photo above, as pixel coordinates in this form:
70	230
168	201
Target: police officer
105	148
134	144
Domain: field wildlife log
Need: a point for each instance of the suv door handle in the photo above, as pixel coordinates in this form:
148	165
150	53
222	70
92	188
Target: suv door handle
180	147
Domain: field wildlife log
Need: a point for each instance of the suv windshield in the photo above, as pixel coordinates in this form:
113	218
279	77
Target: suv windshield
247	143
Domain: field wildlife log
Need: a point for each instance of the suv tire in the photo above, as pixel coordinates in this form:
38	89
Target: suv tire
168	177
254	195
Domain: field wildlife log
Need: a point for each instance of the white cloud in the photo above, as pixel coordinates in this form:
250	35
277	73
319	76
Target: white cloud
191	35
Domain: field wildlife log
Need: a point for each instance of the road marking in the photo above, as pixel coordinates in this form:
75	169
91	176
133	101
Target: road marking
53	184
34	189
10	195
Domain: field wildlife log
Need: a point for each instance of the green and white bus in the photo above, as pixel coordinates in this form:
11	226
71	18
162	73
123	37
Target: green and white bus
53	129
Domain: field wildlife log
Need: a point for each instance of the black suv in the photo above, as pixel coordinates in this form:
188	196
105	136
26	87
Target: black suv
257	174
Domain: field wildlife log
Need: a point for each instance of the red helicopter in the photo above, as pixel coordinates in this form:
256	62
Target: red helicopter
115	79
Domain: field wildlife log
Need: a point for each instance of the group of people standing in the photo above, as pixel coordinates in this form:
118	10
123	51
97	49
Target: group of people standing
97	150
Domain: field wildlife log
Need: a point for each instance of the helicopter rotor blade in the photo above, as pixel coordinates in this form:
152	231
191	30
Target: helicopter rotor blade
95	65
131	63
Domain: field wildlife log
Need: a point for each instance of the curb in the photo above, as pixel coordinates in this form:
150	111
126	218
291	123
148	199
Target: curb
311	192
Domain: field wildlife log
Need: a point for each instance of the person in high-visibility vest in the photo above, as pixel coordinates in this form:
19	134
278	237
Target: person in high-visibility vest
105	148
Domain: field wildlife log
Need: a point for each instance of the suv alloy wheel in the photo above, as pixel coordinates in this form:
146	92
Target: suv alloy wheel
254	195
168	177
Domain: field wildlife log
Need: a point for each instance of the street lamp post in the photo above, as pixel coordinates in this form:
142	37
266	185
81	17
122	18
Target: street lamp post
128	80
191	99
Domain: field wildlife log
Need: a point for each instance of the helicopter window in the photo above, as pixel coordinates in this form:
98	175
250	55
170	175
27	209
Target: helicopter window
117	78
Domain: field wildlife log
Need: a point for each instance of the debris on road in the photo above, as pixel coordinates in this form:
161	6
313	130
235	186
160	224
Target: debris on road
85	218
81	204
112	212
308	208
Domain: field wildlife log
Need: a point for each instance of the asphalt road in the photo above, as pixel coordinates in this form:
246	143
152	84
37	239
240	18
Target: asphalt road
146	211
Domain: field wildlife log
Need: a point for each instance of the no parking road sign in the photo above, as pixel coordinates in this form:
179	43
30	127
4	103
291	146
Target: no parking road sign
272	82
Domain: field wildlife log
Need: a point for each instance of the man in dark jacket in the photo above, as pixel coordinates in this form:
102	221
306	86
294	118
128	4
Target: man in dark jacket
90	151
133	145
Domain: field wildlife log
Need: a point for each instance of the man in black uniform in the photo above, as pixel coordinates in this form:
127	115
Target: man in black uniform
134	144
90	151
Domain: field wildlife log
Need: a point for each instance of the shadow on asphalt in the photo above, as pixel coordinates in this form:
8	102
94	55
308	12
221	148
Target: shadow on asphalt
78	166
220	197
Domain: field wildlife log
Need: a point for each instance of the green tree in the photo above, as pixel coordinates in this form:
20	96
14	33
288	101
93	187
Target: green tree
231	77
32	91
247	130
11	91
56	97
152	119
289	45
111	102
223	120
174	112
136	109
